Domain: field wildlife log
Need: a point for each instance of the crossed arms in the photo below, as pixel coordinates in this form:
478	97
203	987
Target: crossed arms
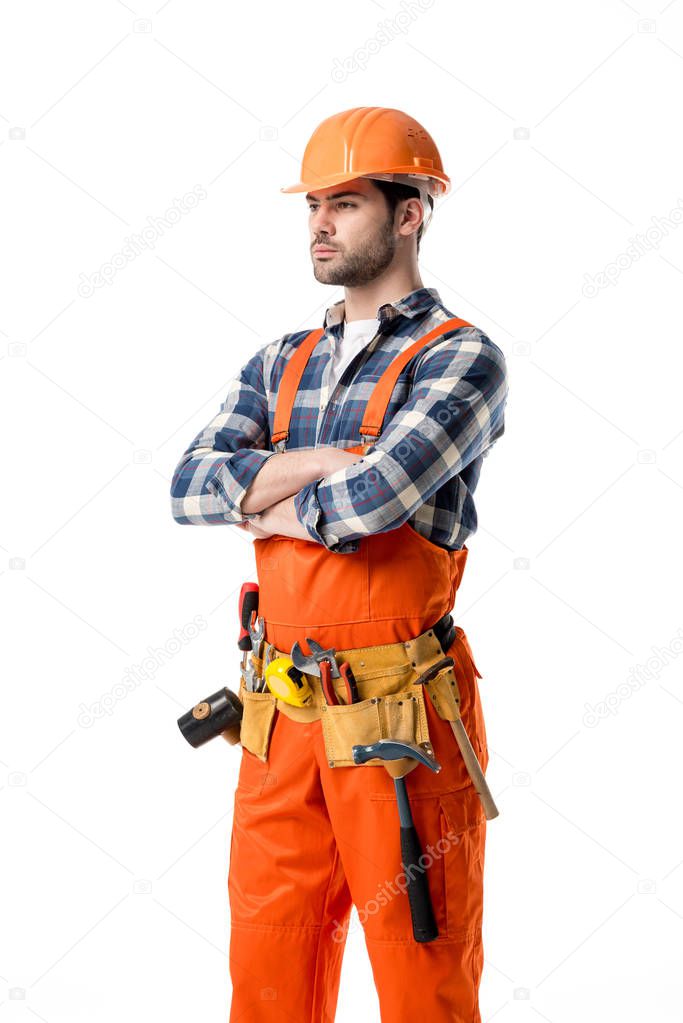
271	493
454	413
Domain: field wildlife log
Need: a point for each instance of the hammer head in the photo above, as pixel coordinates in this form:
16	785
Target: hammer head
391	749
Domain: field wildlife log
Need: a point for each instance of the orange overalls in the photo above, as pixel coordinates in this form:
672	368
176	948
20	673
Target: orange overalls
309	840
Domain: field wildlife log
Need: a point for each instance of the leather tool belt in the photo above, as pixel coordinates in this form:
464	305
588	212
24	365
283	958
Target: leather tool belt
391	700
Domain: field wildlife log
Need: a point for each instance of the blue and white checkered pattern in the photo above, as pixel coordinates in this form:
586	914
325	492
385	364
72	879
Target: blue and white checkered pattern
445	413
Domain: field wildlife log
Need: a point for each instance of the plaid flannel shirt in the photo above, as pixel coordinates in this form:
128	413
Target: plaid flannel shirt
445	413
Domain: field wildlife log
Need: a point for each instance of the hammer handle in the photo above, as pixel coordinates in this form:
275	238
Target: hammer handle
474	769
421	912
417	887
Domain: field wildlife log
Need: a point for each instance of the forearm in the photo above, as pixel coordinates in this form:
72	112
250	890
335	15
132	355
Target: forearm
287	472
281	516
216	469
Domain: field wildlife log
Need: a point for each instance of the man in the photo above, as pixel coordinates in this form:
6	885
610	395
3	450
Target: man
360	532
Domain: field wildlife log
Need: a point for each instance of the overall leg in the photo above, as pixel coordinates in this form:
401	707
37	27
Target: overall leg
439	980
286	885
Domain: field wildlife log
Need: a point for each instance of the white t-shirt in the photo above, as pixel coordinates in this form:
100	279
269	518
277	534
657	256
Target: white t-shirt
356	335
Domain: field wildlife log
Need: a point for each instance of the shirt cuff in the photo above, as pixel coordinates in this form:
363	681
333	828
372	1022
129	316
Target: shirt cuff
309	513
234	478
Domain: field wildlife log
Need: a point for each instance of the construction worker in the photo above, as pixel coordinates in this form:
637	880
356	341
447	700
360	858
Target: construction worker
351	454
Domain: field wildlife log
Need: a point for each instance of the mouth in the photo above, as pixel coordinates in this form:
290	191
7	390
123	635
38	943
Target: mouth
322	250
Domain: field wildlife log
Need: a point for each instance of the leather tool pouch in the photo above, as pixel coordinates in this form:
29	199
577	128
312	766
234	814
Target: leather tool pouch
445	695
258	714
455	696
395	710
391	705
424	652
401	716
443	689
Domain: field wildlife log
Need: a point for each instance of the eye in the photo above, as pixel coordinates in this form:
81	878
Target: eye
312	209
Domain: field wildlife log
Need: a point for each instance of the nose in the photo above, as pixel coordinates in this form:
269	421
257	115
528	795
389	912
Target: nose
321	222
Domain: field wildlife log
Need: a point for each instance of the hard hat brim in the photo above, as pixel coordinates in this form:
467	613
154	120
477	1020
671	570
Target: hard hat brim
338	179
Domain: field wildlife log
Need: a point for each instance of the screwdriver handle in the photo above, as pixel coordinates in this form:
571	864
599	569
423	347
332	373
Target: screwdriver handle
248	603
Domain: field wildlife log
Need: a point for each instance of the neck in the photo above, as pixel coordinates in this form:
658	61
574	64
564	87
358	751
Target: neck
362	303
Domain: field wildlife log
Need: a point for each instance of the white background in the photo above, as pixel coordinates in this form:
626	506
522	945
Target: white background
560	127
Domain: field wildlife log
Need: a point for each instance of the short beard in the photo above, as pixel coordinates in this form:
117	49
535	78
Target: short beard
362	266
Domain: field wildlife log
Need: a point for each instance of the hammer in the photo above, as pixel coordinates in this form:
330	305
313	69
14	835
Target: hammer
220	713
421	911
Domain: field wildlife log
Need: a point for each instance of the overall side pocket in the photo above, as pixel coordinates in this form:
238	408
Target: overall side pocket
462	843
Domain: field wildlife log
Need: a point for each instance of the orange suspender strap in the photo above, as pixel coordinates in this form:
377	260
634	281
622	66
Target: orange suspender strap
376	408
377	405
289	385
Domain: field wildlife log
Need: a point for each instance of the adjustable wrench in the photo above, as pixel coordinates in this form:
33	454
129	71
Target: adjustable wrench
323	664
257	629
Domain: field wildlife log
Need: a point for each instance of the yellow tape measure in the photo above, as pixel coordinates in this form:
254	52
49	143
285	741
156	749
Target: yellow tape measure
287	683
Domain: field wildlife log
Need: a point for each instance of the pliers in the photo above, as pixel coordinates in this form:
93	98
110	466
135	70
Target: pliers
323	663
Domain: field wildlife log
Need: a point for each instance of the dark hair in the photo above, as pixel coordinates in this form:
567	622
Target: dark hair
394	193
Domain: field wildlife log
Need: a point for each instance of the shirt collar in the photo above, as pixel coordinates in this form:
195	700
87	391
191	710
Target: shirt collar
411	305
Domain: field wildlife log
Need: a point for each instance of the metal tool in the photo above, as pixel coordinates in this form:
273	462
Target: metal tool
313	666
257	631
256	683
251	679
421	910
323	663
268	658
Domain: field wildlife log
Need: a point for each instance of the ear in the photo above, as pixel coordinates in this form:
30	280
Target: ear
412	215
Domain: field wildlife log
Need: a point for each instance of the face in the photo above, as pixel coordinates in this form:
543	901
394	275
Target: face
351	227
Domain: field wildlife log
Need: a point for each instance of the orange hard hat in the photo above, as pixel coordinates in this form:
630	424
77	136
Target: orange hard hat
371	142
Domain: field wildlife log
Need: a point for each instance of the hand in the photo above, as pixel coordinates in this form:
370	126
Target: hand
279	519
254	527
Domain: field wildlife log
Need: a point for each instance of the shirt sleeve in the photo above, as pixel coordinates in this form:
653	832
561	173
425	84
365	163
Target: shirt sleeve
214	473
455	412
